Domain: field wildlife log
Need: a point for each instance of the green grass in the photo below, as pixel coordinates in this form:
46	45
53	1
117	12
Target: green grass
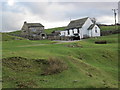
15	32
103	28
7	37
90	65
49	31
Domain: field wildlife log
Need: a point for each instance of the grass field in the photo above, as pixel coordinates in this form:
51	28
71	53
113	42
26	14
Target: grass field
7	37
103	28
89	65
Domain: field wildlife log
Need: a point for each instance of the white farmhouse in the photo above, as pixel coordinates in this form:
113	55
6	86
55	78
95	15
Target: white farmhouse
82	27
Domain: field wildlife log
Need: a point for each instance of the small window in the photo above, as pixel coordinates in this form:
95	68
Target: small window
64	33
96	29
73	30
78	30
33	29
34	35
68	32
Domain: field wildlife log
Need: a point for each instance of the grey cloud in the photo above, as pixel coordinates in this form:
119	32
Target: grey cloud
51	12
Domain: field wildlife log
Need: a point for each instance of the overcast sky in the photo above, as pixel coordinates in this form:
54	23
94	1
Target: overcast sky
53	14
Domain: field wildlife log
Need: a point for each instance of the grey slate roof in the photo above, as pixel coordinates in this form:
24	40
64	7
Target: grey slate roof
91	26
76	23
34	25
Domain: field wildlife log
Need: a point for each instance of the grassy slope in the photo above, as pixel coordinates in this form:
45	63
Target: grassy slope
7	37
103	28
15	32
100	61
48	31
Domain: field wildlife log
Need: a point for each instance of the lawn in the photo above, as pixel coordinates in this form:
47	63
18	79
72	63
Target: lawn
89	65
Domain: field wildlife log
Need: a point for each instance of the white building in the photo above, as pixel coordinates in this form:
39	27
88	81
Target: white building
82	27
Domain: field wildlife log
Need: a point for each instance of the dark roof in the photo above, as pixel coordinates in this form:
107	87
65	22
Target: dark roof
55	32
76	23
34	25
91	26
58	31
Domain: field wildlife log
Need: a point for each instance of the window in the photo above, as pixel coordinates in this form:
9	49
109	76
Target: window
64	33
68	32
96	29
78	30
34	35
73	31
33	29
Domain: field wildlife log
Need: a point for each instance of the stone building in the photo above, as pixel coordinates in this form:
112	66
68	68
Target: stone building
33	30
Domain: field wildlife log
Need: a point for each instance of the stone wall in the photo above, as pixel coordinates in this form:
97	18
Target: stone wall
58	38
109	32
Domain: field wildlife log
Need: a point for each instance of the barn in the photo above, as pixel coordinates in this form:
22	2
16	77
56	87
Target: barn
81	28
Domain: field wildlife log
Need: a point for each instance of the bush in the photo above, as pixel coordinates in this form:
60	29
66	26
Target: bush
54	66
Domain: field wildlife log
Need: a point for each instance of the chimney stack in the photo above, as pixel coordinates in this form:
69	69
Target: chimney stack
25	22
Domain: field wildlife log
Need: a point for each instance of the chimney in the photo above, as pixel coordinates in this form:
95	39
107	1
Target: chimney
25	22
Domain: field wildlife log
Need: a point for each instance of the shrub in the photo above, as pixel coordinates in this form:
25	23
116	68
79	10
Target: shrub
54	66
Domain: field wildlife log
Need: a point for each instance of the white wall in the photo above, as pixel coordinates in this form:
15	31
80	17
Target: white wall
86	26
81	32
63	33
71	32
75	31
94	33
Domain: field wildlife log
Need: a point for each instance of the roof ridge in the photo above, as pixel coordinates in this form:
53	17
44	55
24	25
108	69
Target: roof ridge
80	19
77	23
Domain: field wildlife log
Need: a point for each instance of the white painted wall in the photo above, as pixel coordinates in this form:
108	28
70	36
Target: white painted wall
64	33
71	32
75	31
94	33
81	32
86	26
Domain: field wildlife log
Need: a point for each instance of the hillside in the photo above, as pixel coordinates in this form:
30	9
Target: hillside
15	32
49	31
103	28
51	64
8	37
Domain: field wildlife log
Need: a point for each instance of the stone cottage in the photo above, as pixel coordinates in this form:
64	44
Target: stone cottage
34	30
81	28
